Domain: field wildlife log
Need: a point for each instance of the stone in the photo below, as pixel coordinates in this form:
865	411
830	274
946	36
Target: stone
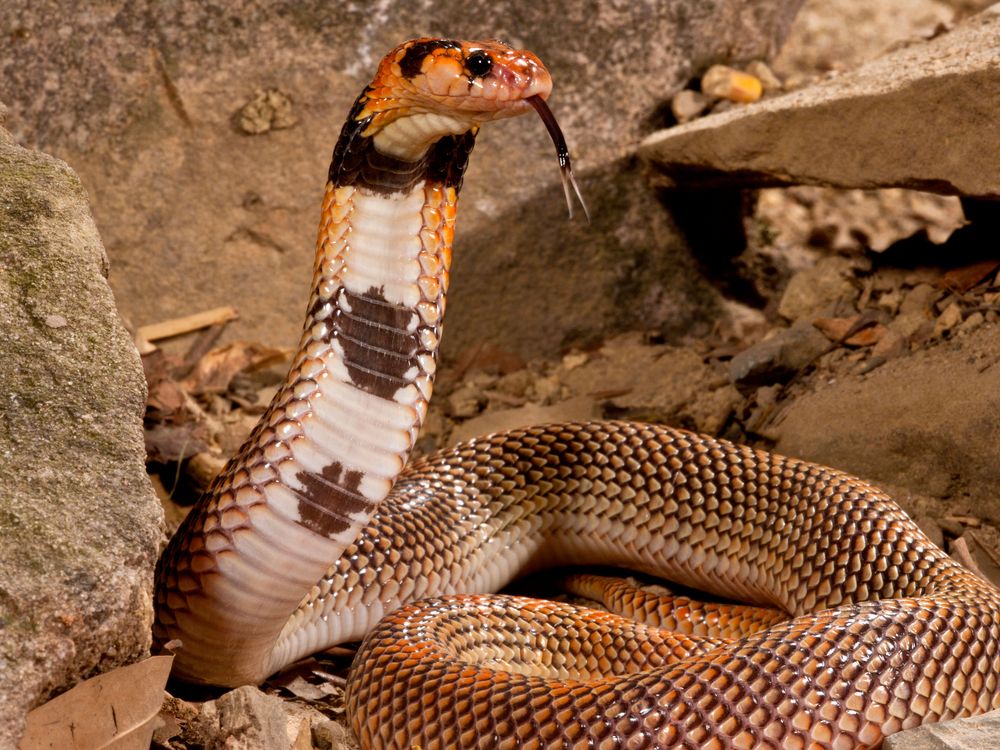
760	70
920	117
466	401
976	733
661	383
331	735
723	82
79	522
196	213
245	719
778	358
925	422
688	104
841	34
950	317
813	291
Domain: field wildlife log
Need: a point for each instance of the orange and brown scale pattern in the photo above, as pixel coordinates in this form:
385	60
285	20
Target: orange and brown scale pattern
679	614
885	632
913	638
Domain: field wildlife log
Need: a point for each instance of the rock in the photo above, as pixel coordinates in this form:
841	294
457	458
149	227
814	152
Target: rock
924	422
79	523
901	120
330	735
193	211
247	719
637	380
687	104
842	34
778	358
948	319
914	318
723	82
977	733
813	291
466	401
770	82
972	322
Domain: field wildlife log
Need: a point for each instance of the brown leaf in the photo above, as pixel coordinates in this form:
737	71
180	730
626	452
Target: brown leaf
118	708
216	370
851	331
835	329
166	442
964	278
867	336
166	398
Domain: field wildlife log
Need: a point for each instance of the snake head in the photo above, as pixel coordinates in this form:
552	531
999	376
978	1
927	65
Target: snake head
426	89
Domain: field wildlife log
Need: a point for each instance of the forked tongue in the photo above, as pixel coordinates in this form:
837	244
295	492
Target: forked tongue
562	151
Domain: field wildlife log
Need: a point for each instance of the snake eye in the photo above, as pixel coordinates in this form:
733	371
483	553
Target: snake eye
479	64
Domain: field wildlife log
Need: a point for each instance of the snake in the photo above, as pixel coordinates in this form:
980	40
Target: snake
830	619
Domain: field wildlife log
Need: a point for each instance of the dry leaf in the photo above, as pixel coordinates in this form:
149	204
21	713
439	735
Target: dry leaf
964	278
174	442
216	370
867	336
850	331
116	710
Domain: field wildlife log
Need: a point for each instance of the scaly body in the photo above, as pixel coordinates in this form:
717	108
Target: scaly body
318	527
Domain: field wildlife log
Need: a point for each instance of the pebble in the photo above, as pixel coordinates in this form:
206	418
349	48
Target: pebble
759	70
948	319
723	82
812	291
56	321
777	358
686	105
972	322
919	299
465	401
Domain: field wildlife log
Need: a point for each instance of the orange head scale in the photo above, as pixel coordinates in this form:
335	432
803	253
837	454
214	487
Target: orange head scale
424	108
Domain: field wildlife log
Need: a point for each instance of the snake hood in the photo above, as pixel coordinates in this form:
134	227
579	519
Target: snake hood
429	90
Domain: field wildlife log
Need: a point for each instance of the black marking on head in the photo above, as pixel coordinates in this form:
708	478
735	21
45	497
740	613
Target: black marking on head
413	59
479	63
356	162
328	499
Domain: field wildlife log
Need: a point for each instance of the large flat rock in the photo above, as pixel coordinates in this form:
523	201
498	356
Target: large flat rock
143	99
79	523
922	117
926	422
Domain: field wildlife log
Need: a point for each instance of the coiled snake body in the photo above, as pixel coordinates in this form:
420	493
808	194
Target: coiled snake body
884	631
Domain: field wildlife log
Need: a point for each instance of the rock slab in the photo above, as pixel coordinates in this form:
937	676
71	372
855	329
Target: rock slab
927	423
921	117
79	524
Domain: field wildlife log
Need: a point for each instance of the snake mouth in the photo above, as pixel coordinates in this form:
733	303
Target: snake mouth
562	153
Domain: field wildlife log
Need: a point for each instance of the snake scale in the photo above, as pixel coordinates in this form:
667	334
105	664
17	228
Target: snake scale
320	532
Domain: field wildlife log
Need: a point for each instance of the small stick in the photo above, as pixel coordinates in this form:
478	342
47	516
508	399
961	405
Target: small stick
959	549
177	326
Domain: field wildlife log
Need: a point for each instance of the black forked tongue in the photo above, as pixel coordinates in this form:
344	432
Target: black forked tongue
562	151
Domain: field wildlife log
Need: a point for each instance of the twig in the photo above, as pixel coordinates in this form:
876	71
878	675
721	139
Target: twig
959	550
177	326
